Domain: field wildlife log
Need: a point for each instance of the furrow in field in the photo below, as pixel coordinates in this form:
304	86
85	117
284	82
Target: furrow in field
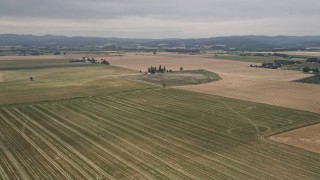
293	156
69	147
17	146
57	150
185	174
3	174
12	159
6	167
203	102
263	156
94	152
92	141
172	137
172	144
36	159
66	153
195	105
41	151
292	153
150	142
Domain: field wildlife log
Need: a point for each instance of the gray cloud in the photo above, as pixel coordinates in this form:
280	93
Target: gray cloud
194	18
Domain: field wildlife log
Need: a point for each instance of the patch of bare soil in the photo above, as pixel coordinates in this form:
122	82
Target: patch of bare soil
307	138
239	80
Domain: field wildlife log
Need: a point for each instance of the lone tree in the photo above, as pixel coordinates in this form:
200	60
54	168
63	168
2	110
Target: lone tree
181	68
31	78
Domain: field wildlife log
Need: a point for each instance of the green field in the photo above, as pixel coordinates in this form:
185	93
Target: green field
90	123
253	59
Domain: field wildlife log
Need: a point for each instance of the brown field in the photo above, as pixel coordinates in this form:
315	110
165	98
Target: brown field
307	138
239	80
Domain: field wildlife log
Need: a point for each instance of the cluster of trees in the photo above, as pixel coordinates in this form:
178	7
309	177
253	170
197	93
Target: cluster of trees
92	60
278	63
161	69
270	65
313	60
314	70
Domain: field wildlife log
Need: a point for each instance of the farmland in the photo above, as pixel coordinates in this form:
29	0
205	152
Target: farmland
89	122
155	134
307	138
274	87
60	80
253	59
177	78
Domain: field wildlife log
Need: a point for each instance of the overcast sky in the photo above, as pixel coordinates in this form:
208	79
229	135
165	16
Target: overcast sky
160	18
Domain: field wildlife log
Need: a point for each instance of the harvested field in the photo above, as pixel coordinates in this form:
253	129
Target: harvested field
307	138
151	134
239	80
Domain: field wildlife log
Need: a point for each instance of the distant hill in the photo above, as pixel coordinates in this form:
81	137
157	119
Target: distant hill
237	42
50	40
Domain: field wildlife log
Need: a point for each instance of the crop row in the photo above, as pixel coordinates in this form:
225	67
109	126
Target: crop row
151	134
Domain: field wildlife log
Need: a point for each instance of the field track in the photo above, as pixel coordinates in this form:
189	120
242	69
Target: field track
151	134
